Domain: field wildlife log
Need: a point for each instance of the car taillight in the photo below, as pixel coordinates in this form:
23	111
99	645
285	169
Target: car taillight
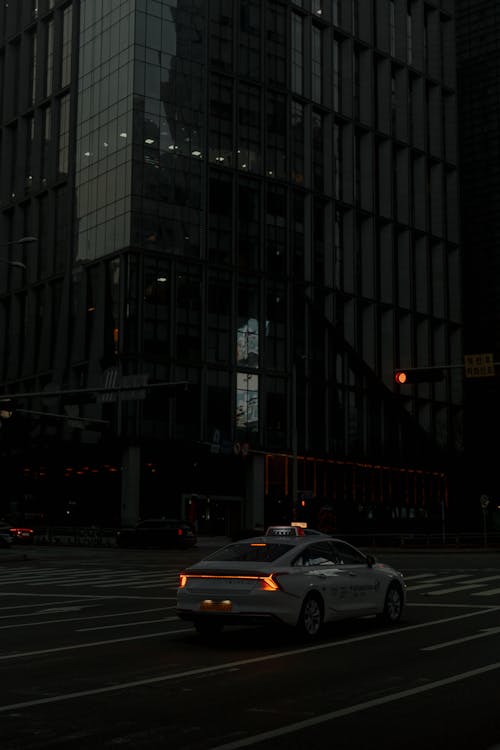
182	580
180	532
271	583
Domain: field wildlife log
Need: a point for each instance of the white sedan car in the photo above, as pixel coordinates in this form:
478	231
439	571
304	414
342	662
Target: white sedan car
302	581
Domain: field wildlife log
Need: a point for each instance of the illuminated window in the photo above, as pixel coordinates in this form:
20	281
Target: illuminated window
247	401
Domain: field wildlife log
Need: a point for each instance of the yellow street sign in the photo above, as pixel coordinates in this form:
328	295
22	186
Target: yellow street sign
479	366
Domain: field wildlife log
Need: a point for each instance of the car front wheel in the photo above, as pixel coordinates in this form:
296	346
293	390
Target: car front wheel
393	605
311	617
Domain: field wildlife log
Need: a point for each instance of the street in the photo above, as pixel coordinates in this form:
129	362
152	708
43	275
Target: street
92	655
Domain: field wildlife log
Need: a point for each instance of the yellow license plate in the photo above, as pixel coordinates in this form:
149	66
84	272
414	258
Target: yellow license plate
211	606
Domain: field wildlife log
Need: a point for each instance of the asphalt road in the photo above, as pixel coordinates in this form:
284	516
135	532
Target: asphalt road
93	656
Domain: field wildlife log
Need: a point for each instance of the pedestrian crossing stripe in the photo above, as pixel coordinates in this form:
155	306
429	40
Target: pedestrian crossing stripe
429	584
98	578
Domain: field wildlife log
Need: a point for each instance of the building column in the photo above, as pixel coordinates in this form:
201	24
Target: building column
255	491
131	482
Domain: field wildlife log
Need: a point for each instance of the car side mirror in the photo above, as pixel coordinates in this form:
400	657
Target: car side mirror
371	560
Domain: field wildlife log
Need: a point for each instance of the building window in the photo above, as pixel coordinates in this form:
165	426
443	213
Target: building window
220	149
318	151
275	326
28	169
317	65
49	70
297	54
247	402
276	44
392	28
276	135
337	75
63	154
275	245
46	139
33	68
66	46
409	34
298	142
247	334
188	314
249	223
249	131
219	317
249	48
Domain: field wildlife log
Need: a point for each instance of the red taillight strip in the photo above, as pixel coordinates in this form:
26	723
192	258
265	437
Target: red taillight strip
269	583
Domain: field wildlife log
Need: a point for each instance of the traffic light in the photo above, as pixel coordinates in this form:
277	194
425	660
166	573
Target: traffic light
418	375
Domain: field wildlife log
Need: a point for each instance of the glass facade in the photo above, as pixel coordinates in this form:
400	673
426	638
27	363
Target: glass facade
265	206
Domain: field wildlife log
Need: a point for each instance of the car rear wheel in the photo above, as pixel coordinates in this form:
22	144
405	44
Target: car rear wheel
311	617
393	605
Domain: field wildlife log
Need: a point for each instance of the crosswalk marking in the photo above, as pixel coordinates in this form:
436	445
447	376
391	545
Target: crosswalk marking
438	582
102	578
488	592
474	584
164	581
453	589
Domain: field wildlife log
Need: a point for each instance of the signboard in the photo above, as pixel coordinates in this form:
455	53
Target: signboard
479	366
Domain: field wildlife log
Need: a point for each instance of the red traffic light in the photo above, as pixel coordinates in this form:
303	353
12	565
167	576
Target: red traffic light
418	375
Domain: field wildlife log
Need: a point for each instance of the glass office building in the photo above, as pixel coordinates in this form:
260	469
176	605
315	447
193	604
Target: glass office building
478	71
250	210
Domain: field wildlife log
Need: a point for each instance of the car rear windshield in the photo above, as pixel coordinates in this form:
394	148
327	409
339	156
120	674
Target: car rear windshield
251	552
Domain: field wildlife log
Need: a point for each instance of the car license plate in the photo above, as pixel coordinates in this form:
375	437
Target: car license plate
211	606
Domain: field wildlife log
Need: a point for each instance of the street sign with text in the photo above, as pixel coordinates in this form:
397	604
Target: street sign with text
479	366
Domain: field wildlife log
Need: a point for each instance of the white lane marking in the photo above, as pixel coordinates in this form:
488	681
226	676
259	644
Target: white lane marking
128	624
476	583
83	604
356	708
305	649
420	575
72	580
106	597
422	586
489	592
446	605
71	619
46	604
168	584
153	580
243	662
454	589
36	576
482	634
57	649
439	582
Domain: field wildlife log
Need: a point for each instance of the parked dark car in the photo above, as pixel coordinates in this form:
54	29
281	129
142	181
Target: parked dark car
158	532
22	534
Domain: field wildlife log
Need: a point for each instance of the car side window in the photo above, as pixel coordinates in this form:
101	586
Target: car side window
320	553
347	555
